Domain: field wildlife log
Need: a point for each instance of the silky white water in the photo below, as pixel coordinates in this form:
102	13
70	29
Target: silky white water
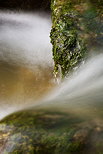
26	63
23	36
27	66
83	90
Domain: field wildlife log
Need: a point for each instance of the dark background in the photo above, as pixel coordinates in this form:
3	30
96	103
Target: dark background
29	5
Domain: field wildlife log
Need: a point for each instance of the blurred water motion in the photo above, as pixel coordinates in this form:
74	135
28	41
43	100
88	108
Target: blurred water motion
26	71
26	66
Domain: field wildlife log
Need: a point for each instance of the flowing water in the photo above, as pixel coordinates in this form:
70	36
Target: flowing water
82	92
26	70
26	66
27	82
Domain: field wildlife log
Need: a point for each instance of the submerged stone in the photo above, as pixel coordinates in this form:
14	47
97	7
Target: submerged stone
48	132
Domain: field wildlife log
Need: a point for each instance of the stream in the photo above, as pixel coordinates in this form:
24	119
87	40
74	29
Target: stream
27	80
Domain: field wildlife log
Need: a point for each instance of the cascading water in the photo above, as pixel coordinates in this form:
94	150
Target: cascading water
61	117
26	63
83	90
25	50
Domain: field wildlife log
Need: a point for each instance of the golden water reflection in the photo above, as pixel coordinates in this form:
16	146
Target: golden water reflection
24	83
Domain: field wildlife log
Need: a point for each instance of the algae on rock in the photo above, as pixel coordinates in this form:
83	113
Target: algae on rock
39	132
49	132
76	26
69	47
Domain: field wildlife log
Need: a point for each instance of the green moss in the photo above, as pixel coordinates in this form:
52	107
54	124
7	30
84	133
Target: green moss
77	27
68	47
38	132
48	132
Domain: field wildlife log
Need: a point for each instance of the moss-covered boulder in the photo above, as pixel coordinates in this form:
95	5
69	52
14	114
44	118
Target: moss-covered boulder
68	46
77	26
46	132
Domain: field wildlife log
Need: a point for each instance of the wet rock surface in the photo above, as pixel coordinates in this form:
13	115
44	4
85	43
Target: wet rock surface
77	29
46	132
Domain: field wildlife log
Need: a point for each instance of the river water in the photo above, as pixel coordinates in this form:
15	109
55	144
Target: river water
26	65
26	70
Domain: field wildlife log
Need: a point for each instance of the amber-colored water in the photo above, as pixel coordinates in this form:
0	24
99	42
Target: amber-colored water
26	65
26	71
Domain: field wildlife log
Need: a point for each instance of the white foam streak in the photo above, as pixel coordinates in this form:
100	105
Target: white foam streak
24	36
83	88
24	41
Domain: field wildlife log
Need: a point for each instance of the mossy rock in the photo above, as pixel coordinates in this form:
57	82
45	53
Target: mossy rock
77	28
46	132
68	47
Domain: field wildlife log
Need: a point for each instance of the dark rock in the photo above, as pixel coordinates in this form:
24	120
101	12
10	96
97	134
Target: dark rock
25	4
